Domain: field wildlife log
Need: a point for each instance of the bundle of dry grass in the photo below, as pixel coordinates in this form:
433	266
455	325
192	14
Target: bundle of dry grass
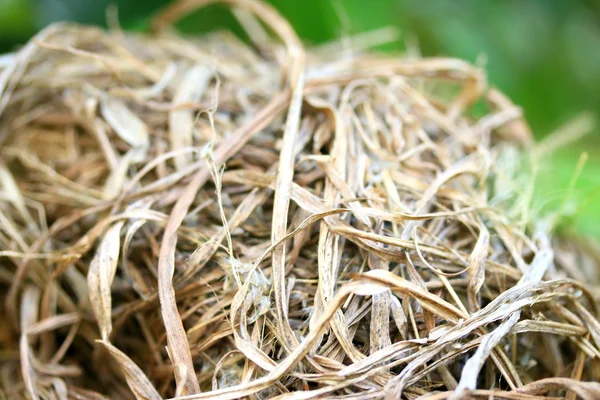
213	220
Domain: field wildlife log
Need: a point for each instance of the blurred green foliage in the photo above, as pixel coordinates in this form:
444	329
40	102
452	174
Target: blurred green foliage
545	54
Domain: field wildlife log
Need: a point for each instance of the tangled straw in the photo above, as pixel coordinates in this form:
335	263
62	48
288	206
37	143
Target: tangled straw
205	219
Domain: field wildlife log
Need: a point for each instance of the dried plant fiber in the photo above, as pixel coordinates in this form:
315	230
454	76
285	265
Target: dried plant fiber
209	218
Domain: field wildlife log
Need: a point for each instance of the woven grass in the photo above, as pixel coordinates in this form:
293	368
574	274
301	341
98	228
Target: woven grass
212	219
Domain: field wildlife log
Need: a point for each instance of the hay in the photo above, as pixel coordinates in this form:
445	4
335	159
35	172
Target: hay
203	218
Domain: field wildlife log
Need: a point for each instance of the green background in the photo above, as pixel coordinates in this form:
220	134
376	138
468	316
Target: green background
545	54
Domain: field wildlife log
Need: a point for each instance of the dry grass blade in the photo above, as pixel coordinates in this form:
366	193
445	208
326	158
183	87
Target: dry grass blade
470	372
136	379
125	123
365	234
181	122
103	268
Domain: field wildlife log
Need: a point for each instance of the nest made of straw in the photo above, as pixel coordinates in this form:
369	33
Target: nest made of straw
212	219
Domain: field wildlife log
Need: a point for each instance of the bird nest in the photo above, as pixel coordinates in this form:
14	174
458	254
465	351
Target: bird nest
220	219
